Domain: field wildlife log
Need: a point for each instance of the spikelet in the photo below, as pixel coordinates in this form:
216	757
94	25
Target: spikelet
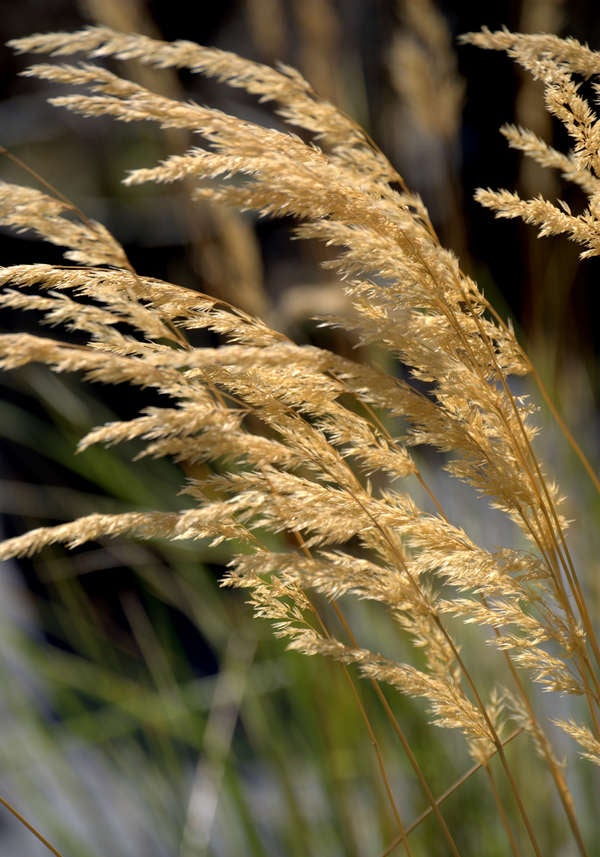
56	221
423	70
558	64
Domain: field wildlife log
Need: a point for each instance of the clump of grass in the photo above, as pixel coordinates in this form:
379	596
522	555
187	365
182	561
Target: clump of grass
314	459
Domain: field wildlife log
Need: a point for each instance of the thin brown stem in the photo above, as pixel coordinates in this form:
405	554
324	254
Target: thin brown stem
30	827
589	470
469	679
457	784
369	727
405	743
61	197
496	739
381	764
555	770
503	817
550	405
556	773
549	512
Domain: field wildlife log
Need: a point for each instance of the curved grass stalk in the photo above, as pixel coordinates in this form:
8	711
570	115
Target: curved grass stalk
559	779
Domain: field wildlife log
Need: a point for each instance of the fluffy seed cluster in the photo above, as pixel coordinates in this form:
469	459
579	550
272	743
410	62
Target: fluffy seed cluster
303	442
561	65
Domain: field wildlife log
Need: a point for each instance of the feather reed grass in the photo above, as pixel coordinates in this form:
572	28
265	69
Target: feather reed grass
311	458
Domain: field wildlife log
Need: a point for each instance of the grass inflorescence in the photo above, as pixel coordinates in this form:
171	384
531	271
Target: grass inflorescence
309	465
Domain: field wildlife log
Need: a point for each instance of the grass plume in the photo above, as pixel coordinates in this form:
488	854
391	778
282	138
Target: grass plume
311	456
